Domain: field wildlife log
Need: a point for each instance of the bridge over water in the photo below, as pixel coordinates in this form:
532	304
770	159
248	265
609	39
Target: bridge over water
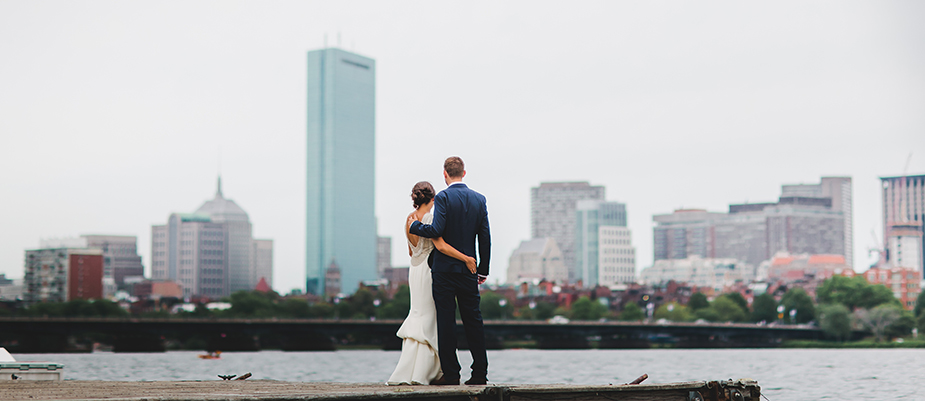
154	334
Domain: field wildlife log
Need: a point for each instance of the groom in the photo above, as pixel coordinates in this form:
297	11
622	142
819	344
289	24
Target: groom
460	215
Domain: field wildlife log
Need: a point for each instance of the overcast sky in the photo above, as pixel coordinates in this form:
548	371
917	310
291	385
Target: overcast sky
115	114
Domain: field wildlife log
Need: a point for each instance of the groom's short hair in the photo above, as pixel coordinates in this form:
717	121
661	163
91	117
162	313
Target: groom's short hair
454	167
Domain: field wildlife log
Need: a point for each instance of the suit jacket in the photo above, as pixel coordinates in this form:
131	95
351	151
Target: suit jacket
460	217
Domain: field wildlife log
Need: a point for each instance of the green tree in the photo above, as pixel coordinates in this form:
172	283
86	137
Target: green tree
294	308
363	303
632	313
399	306
797	299
674	312
902	326
764	308
878	319
492	308
586	309
321	310
835	321
698	301
919	305
542	311
727	310
854	292
738	299
253	304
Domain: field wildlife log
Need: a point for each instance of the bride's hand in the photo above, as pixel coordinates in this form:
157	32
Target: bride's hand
470	263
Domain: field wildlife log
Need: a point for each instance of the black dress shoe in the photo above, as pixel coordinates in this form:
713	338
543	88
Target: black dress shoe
476	382
443	381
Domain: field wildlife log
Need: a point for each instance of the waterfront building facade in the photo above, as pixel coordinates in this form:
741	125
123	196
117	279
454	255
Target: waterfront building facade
552	215
903	202
537	259
340	206
62	274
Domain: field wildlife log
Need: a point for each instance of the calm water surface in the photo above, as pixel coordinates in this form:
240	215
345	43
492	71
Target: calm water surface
783	374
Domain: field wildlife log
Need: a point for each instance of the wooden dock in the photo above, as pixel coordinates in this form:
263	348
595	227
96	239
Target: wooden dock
269	390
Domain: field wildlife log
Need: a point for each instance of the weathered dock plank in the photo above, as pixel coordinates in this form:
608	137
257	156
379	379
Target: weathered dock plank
269	390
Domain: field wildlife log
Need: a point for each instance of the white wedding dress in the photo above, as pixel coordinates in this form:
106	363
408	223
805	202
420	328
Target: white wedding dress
419	362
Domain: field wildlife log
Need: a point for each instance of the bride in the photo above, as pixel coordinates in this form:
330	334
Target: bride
419	362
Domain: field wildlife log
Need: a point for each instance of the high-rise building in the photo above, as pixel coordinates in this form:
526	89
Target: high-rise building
383	255
340	206
903	203
839	190
62	274
552	214
604	251
536	259
753	232
210	252
120	256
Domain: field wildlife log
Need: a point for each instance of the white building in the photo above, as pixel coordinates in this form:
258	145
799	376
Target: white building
616	256
694	270
904	245
537	259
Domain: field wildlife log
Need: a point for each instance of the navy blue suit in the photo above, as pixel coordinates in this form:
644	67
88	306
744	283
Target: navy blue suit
460	217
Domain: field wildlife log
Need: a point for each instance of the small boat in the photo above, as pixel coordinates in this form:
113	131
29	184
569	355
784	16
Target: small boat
212	355
10	369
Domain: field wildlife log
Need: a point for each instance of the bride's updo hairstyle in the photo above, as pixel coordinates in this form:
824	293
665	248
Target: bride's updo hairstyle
422	193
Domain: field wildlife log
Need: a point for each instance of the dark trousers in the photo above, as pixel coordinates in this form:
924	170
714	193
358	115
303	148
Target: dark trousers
450	289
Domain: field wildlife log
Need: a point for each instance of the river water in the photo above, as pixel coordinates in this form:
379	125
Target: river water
783	374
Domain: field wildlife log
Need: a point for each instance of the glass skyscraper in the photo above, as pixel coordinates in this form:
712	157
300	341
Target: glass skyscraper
340	206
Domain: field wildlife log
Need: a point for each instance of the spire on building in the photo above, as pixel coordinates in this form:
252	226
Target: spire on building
218	194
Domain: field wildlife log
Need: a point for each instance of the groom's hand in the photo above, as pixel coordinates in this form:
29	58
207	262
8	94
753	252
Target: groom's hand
482	279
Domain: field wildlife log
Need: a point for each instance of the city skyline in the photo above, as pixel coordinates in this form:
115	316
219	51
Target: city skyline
666	109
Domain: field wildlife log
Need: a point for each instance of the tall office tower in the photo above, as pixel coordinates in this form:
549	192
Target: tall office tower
120	256
903	203
340	207
383	255
210	252
238	241
604	250
552	214
62	274
536	259
839	190
190	251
